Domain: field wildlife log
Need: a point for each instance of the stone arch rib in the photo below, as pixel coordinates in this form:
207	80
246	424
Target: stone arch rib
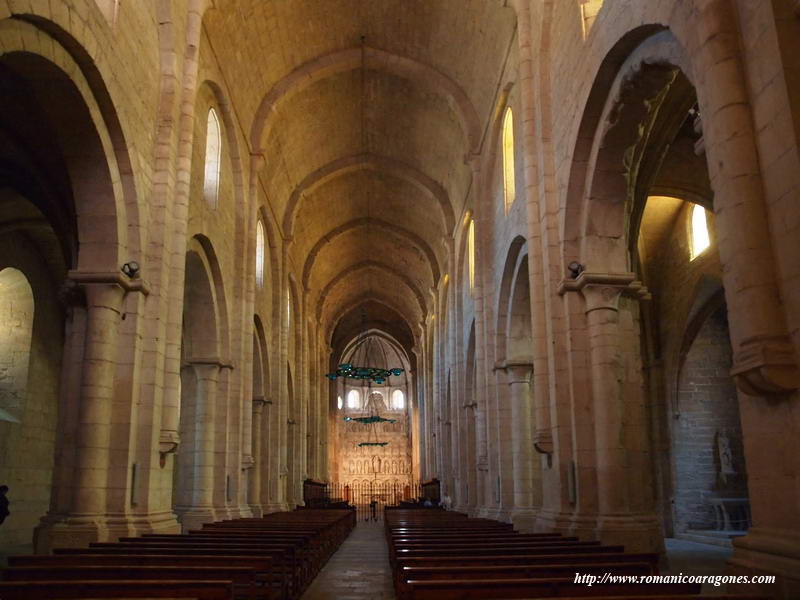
378	224
328	65
370	264
368	161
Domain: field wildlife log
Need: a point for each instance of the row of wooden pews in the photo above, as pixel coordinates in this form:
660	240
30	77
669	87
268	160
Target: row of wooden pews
445	555
270	558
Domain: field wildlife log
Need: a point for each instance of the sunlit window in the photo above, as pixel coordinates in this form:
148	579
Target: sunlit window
509	182
589	10
398	400
353	399
260	254
339	402
110	10
700	238
471	253
213	154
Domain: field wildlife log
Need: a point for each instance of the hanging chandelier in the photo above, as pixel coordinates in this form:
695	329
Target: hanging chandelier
374	374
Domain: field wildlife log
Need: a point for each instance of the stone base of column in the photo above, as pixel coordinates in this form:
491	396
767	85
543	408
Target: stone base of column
767	552
500	514
257	510
238	512
582	526
275	507
554	522
196	517
524	519
160	522
638	533
68	532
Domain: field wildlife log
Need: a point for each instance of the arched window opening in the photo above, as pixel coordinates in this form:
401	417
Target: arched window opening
589	10
353	399
398	400
509	173
110	10
339	402
700	239
260	254
471	253
213	154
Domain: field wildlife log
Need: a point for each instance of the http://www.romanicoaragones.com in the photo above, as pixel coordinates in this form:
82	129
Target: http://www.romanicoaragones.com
715	580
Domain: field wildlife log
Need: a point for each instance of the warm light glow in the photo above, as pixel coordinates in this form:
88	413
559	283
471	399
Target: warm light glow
339	402
471	253
260	254
353	399
589	10
700	237
288	308
398	400
509	176
213	154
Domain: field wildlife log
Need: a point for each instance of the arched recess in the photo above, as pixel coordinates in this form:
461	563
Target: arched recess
371	162
260	361
201	362
639	136
516	252
645	64
469	456
80	136
67	201
232	150
378	60
31	346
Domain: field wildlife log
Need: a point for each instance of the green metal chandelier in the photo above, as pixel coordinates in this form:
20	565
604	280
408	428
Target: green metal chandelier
374	374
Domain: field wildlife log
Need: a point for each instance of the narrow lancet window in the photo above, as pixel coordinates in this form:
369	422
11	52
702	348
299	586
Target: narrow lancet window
213	154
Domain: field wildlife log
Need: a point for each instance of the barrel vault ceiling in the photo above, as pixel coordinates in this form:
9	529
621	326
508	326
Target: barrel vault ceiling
364	143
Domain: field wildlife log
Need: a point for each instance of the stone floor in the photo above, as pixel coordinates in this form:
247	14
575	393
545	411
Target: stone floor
691	558
358	571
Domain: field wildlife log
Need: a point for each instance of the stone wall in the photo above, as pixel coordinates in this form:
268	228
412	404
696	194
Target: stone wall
707	409
31	334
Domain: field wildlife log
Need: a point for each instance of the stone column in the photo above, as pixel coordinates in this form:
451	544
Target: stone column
254	483
624	514
196	455
103	307
519	382
86	520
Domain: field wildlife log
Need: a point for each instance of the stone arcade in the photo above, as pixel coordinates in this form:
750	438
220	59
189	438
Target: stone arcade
573	223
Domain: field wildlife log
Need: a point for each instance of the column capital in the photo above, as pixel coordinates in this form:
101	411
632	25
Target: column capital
518	370
603	290
258	404
766	365
543	441
84	278
205	368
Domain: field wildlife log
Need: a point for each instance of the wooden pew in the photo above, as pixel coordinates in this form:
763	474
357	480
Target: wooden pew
542	571
62	590
474	589
271	557
267	578
245	583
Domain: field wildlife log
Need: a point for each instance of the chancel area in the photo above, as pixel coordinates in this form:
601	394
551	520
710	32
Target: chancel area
465	298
